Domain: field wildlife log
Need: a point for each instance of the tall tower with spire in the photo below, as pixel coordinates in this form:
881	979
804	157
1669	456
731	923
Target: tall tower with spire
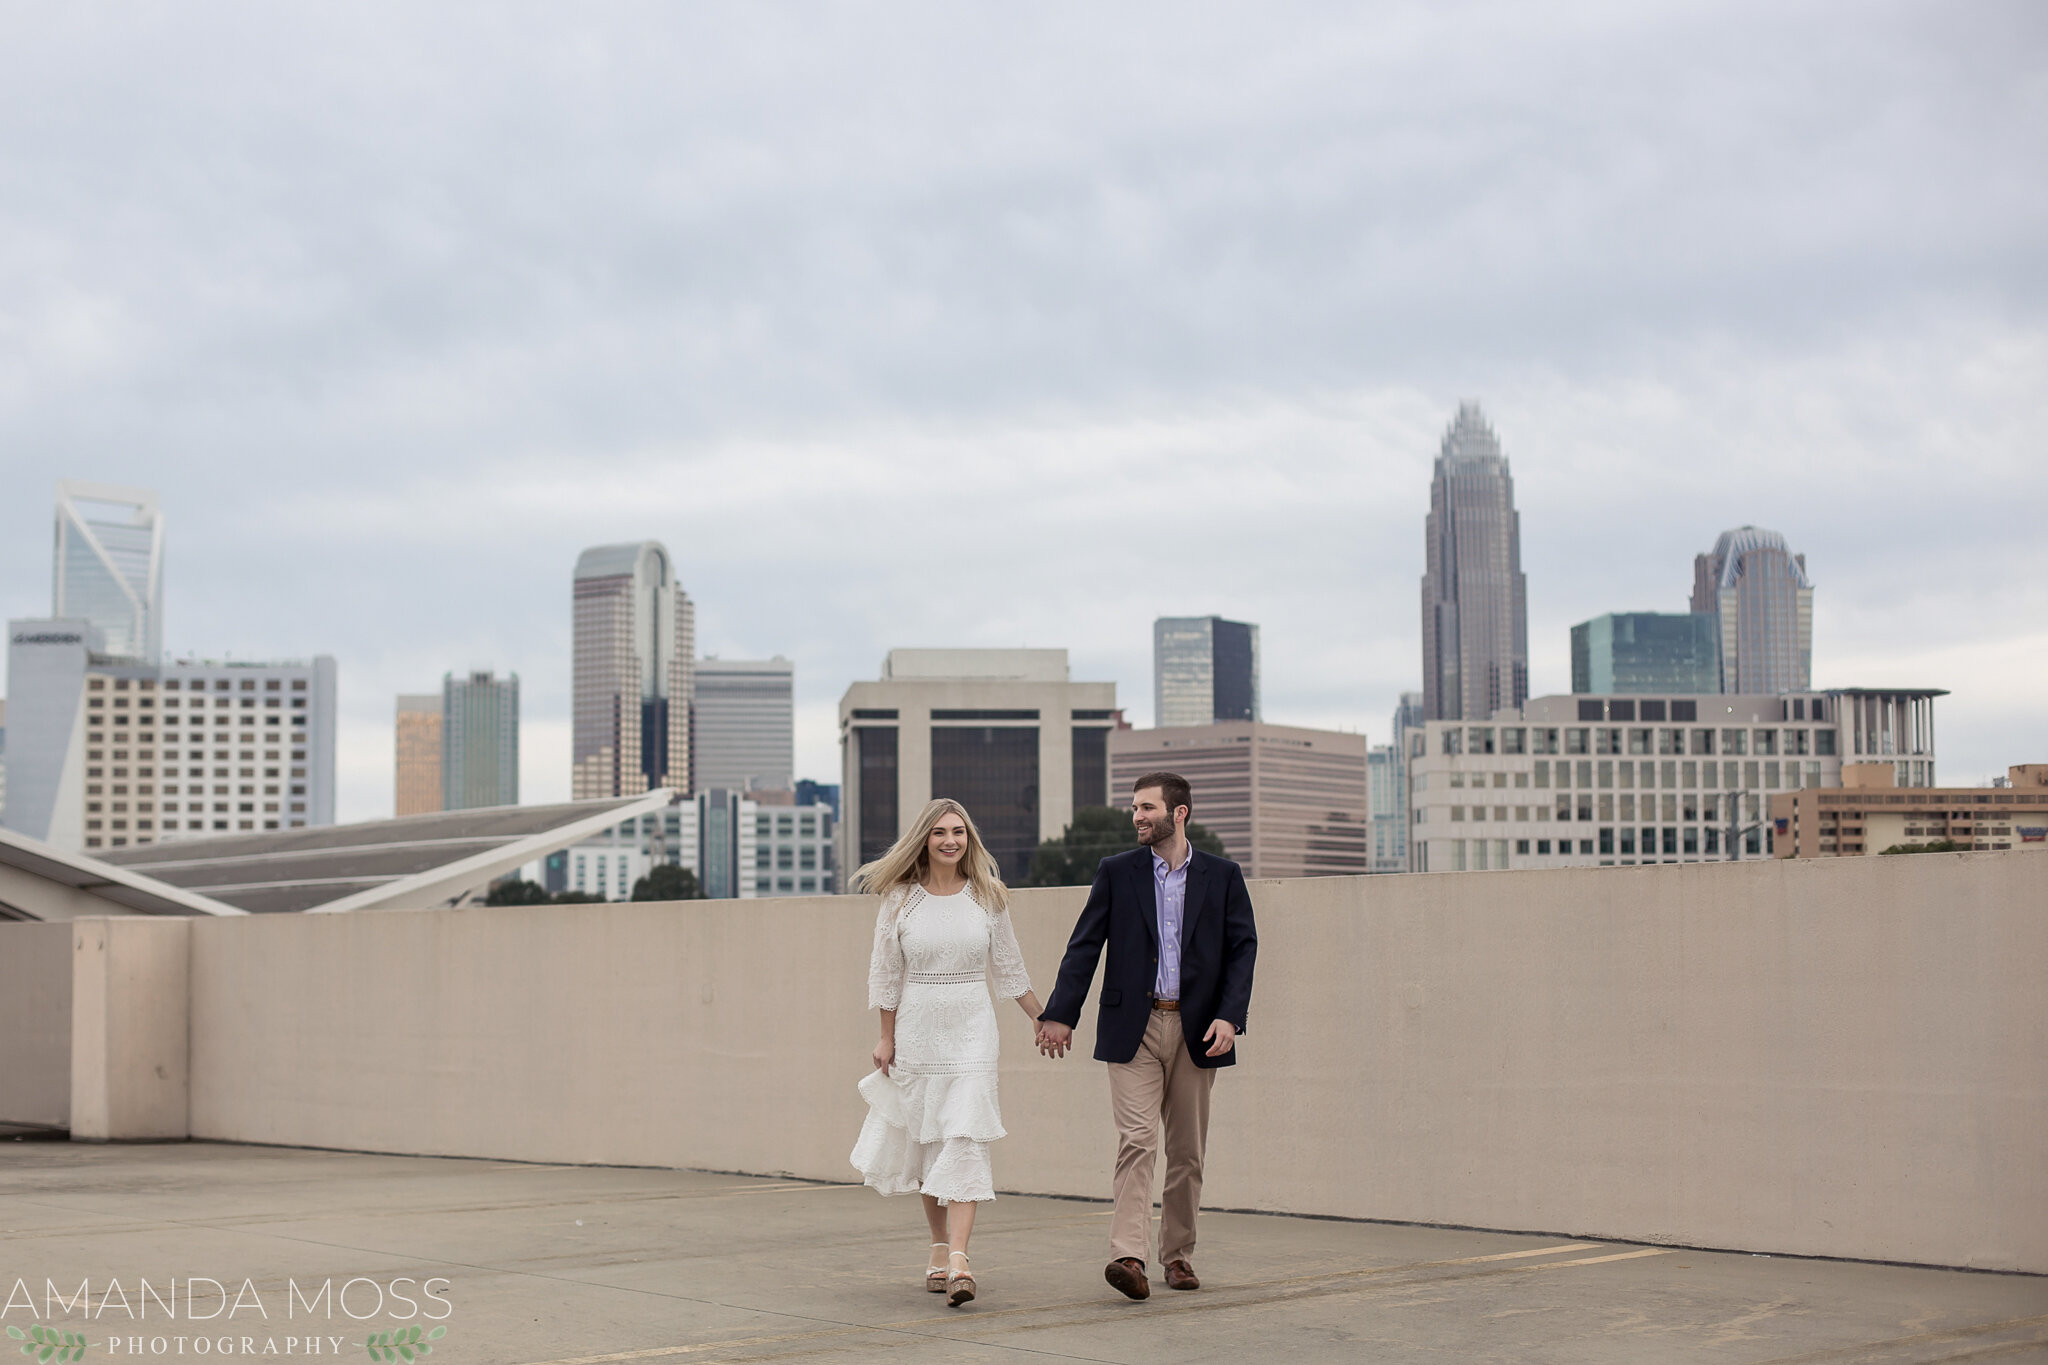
1475	614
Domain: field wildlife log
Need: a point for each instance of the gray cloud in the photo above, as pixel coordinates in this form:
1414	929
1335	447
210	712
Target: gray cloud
908	325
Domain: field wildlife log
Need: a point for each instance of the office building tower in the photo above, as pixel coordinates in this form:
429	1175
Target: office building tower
1584	781
810	793
1002	731
109	566
1285	801
1646	651
1383	804
479	741
743	724
635	650
111	751
1475	620
1408	716
1761	600
1204	669
417	741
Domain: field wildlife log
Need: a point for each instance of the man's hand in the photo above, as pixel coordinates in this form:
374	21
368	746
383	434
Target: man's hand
1054	1038
1224	1034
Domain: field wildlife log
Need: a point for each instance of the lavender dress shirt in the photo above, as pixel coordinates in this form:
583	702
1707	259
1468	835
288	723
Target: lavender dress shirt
1170	896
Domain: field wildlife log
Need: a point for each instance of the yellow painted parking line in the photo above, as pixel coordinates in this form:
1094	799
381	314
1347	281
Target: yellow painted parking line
1603	1260
1218	1300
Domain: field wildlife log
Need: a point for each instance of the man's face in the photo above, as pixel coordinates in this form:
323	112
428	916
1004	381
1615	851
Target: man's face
1155	823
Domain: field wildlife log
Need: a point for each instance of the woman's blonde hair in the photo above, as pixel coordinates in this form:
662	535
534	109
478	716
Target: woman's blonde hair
910	860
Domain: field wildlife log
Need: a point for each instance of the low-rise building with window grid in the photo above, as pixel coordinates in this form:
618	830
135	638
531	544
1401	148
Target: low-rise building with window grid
1871	815
1580	781
758	849
128	752
793	850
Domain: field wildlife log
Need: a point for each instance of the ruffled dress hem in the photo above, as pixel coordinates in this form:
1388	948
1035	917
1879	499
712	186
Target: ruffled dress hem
928	1134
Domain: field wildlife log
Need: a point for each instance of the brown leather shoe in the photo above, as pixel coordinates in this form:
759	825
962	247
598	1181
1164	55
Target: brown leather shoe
1127	1276
1181	1275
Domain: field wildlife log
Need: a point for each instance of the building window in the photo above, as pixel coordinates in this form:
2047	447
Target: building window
993	771
1824	743
1091	767
875	749
1543	847
1607	842
1578	740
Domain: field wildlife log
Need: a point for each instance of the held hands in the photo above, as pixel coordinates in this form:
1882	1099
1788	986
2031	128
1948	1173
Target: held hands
1054	1038
1224	1034
885	1053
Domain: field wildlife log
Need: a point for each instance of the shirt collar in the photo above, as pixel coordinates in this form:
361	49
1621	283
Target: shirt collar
1160	867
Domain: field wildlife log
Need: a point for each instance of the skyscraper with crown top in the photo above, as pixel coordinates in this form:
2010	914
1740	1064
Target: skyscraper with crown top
1475	618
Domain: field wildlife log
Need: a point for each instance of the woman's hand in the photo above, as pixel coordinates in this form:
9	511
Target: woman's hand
885	1053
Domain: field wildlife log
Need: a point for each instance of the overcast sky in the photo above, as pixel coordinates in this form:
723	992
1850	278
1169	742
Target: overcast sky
973	325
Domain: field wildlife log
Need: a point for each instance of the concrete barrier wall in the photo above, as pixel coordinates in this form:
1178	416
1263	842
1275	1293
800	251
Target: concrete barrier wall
1845	1057
35	1024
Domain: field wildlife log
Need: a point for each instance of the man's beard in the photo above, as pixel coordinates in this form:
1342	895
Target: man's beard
1163	830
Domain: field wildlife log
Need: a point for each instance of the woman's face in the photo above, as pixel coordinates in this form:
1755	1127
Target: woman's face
946	845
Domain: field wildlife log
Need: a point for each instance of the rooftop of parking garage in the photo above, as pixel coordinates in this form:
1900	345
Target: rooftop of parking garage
575	1265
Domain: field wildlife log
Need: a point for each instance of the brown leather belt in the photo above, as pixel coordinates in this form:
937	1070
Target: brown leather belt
1166	1004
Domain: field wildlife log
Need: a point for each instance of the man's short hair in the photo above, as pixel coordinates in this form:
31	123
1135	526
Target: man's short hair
1172	787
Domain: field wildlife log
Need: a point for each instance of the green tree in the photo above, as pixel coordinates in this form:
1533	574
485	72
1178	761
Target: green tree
1938	846
1097	833
517	891
668	882
577	898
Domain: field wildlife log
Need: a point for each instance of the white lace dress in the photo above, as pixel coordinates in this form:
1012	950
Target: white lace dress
931	1119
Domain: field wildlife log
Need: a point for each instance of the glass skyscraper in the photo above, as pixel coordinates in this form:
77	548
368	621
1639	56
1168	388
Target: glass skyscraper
109	565
1646	651
479	741
633	673
1761	600
1204	669
1388	783
1475	619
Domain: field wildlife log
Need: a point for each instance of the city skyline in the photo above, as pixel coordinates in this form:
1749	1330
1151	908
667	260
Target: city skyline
392	372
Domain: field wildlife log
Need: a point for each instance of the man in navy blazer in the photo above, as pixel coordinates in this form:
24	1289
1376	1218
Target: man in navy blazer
1178	925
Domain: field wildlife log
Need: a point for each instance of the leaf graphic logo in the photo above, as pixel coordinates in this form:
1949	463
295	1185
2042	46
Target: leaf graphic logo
45	1344
403	1343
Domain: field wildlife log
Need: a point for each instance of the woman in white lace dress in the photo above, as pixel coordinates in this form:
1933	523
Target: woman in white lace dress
932	1108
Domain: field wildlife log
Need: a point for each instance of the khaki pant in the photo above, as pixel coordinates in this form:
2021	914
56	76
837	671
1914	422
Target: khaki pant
1161	1085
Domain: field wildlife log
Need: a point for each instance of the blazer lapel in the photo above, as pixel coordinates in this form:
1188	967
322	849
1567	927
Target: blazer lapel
1191	902
1143	896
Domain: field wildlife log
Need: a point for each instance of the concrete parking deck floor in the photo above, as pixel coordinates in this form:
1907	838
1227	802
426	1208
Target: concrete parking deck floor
584	1266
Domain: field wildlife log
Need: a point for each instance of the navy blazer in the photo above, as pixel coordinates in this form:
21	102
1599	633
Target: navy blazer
1218	946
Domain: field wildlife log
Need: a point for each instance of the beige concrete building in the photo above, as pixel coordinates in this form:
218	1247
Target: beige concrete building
1870	815
1005	732
417	741
1582	781
1285	801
